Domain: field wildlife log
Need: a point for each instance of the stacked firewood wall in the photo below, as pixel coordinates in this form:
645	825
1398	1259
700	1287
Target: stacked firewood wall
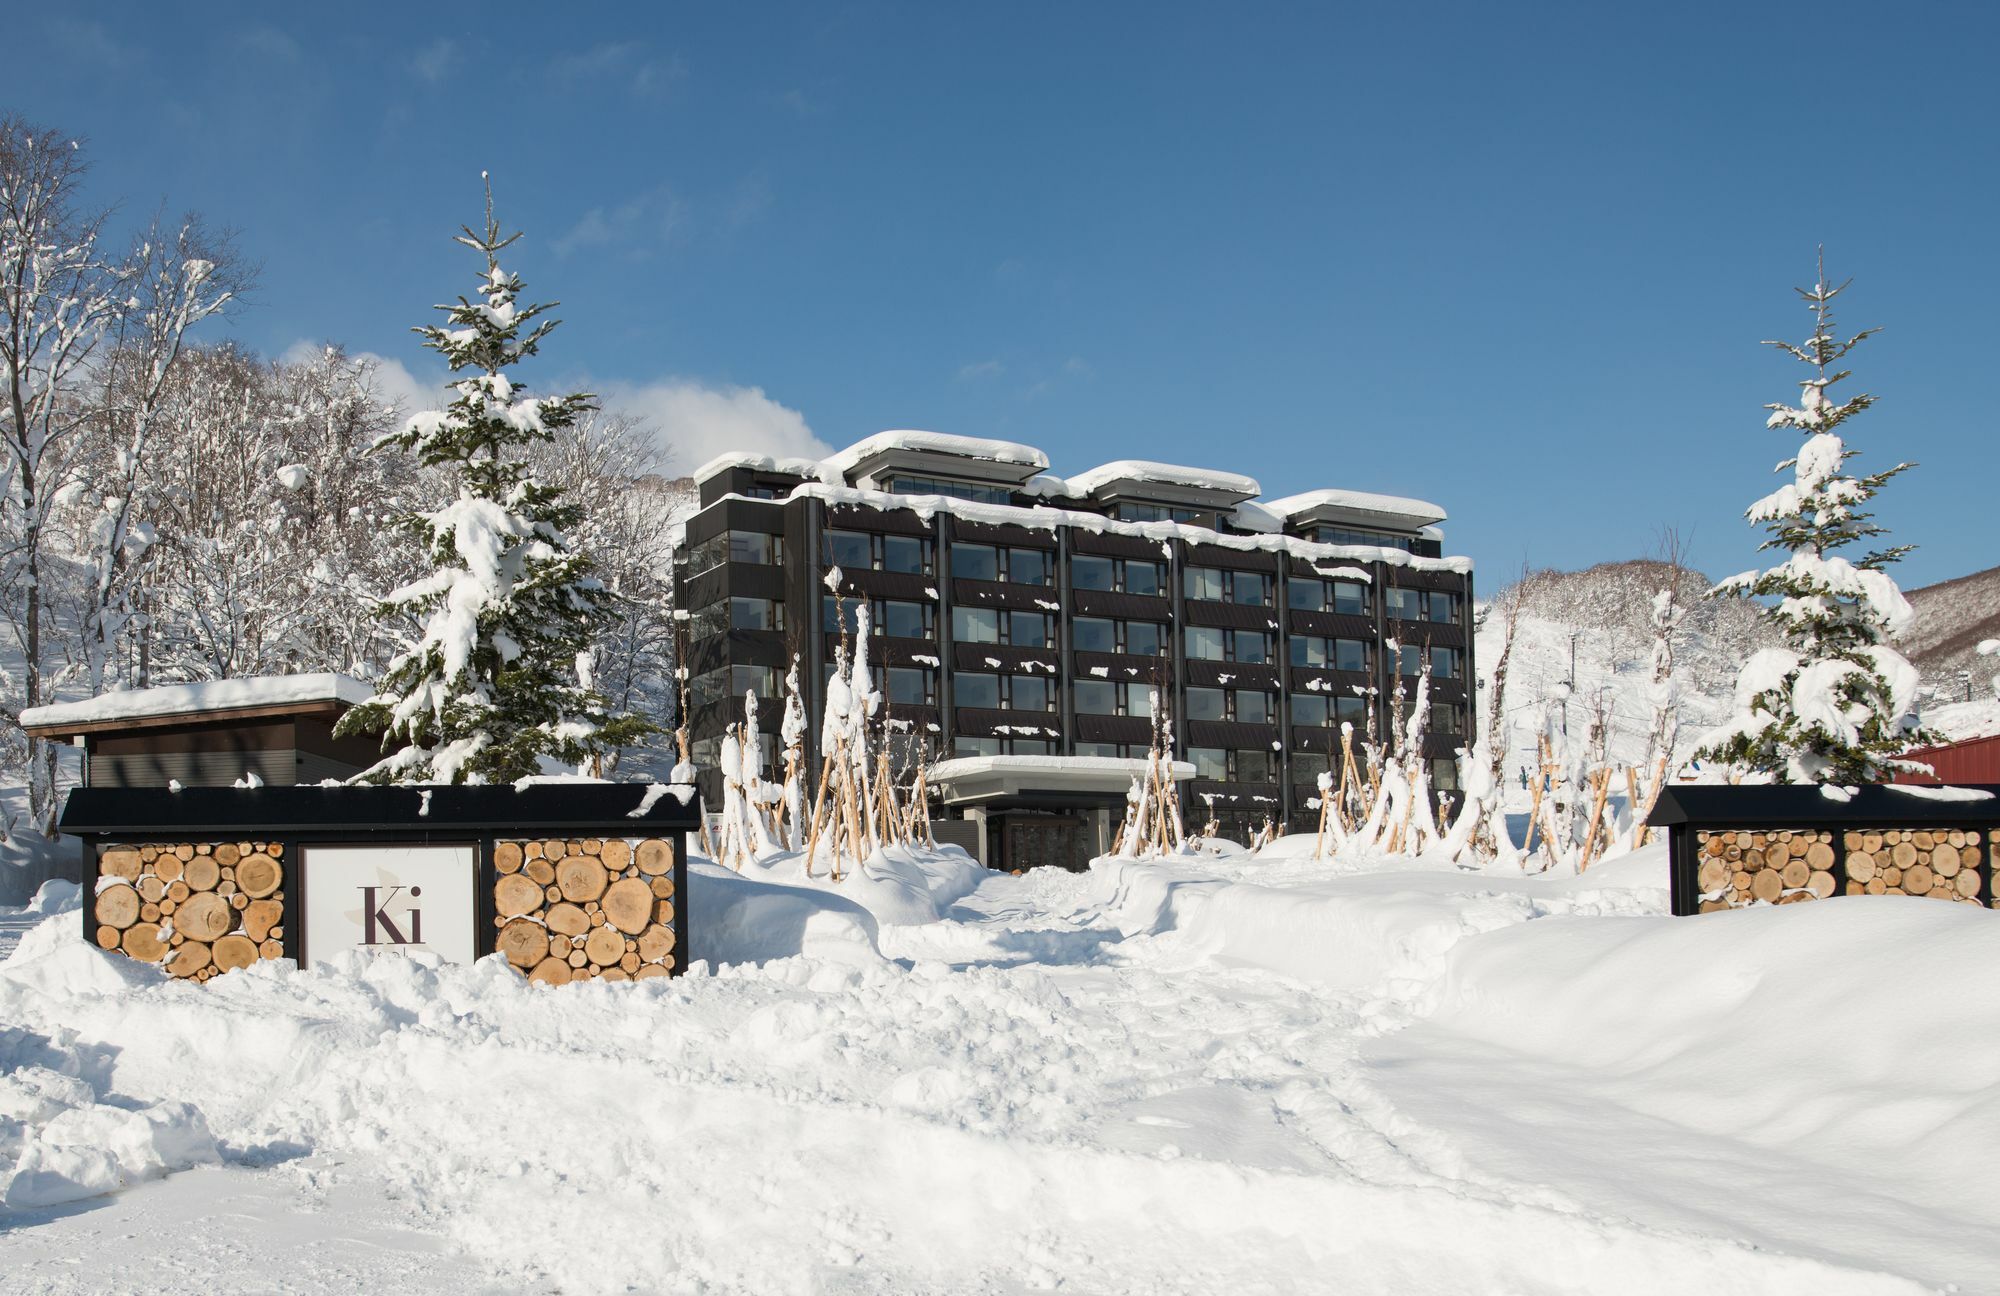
1737	868
198	908
578	909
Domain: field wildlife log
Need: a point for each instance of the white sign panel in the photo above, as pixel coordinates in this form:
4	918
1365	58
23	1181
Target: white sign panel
389	898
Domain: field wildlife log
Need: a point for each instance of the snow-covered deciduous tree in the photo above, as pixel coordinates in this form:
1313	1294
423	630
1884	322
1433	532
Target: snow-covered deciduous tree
88	341
500	678
1831	705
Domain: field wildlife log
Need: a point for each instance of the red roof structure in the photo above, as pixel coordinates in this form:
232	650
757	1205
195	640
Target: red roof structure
1975	760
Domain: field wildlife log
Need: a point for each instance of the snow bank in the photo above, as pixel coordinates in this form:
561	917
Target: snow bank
1740	1063
1382	924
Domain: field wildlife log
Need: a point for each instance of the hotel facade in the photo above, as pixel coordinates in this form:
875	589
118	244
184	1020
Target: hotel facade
1023	627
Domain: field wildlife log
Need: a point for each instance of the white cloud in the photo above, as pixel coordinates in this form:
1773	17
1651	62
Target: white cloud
394	381
619	62
696	422
981	369
433	63
636	225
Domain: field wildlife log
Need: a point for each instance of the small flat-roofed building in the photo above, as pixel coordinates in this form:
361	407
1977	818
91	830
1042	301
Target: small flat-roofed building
212	734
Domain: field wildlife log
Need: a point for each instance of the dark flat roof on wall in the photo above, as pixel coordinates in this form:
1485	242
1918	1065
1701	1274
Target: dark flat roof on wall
571	808
1766	805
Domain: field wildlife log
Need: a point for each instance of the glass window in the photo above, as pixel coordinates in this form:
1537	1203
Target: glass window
761	680
908	554
903	620
975	625
1253	707
1093	634
1250	646
1104	749
1030	566
756	614
1310	650
1360	536
1209	762
1310	709
1308	766
1203	643
837	614
1254	766
975	689
965	746
1350	655
1139	699
1252	588
1146	638
1305	594
755	547
1207	704
1444	774
1447	718
1202	583
849	549
984	494
1142	577
1350	710
1404	604
1441	605
1445	663
1030	693
1090	572
1350	597
911	686
1096	697
974	561
1029	629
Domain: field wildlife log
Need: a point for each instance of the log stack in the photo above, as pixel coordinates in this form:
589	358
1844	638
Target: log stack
574	910
1739	868
1947	864
198	908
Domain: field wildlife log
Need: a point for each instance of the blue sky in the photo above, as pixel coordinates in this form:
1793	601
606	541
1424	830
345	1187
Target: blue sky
1514	259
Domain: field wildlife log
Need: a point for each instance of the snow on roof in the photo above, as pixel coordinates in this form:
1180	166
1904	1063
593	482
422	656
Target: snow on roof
1048	518
1420	511
207	696
1145	470
790	465
1048	486
965	447
968	766
1252	516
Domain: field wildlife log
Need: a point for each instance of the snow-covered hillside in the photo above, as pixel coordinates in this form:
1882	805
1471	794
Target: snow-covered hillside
1269	1075
1953	617
1599	619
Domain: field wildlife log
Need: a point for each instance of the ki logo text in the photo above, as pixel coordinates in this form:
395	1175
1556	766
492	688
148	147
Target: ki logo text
378	928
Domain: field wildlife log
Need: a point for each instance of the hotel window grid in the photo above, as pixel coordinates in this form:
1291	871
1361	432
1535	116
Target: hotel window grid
1100	634
1361	536
905	484
888	618
1223	585
1118	575
1002	626
1013	564
1446	663
1234	764
1106	697
1327	711
738	547
1422	605
1117	751
1324	653
989	692
737	614
1131	512
1210	643
1244	706
1310	594
974	745
875	551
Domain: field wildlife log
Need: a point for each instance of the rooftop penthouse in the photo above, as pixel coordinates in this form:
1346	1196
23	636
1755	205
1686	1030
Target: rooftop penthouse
1018	614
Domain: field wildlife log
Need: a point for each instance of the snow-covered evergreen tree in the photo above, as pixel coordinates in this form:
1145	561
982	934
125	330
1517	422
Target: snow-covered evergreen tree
1831	705
499	680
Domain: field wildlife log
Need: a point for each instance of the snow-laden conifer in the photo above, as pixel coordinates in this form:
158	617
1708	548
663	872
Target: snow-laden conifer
499	680
1829	706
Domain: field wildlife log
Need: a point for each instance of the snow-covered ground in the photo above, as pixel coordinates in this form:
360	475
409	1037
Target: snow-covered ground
1218	1074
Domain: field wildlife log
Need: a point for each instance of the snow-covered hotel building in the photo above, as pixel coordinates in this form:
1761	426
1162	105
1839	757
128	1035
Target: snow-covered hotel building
1023	621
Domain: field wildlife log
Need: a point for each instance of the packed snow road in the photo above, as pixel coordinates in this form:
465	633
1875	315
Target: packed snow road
1247	1075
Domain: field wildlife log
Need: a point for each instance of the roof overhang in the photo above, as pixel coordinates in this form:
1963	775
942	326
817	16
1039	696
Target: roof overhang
1357	508
178	706
1160	483
571	808
939	454
975	780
